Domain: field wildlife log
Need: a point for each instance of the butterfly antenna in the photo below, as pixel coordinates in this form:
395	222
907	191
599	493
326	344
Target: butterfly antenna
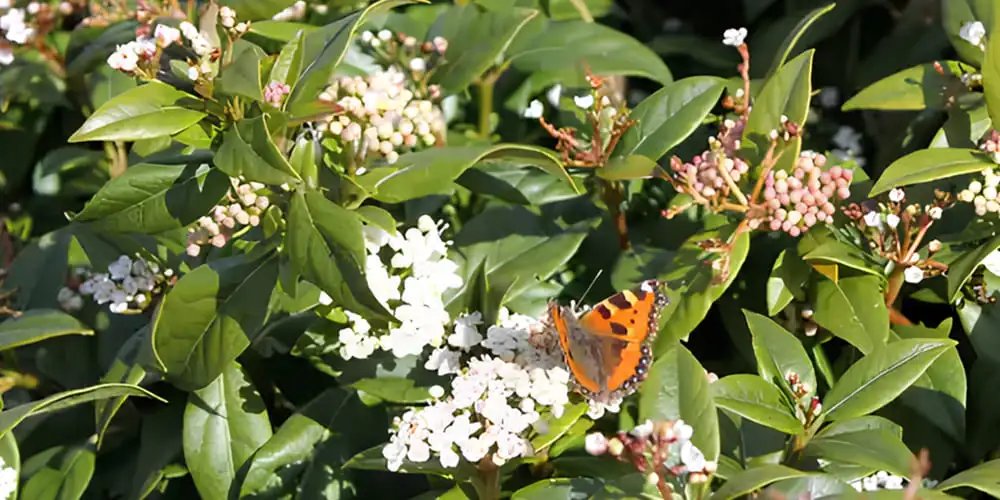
591	285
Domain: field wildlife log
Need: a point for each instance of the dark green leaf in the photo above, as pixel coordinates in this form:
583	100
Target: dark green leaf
678	387
393	390
845	254
63	473
557	427
754	479
205	321
854	310
788	276
325	245
779	353
940	393
876	448
961	269
39	271
669	116
126	369
284	31
151	199
144	112
247	150
991	69
754	399
241	76
289	62
793	37
786	93
224	424
928	165
984	477
39	324
914	88
563	487
10	417
881	376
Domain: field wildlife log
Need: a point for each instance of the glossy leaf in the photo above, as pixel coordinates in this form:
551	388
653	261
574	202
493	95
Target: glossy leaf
248	151
926	165
753	479
151	199
795	35
961	269
62	473
206	320
628	168
557	427
940	393
854	310
564	487
785	94
144	112
434	170
678	387
289	61
843	254
10	417
39	271
913	88
983	477
241	76
779	353
876	448
322	51
669	116
881	376
476	41
753	398
991	69
39	324
393	389
325	246
786	282
126	369
284	31
225	422
252	10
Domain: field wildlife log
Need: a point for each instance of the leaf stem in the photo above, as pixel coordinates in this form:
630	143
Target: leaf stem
485	105
487	480
581	7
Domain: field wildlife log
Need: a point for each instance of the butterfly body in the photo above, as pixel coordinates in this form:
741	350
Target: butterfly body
608	347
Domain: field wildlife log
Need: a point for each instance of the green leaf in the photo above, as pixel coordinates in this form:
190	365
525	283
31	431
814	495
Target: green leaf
63	473
10	417
393	389
991	69
37	325
755	399
476	41
144	112
283	31
247	150
786	282
793	37
787	94
845	254
754	479
881	376
372	459
39	271
876	448
964	127
322	51
556	428
669	116
678	387
434	170
961	269
205	321
628	168
926	165
325	246
984	477
513	184
126	369
808	486
516	246
562	487
224	424
252	10
152	199
854	310
691	284
913	89
779	353
940	393
11	456
241	76
289	62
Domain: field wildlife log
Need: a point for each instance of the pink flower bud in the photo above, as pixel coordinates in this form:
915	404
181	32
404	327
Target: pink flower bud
769	193
783	198
775	224
229	222
596	444
193	249
843	193
795	197
825	177
809	219
829	209
794	231
219	240
781	186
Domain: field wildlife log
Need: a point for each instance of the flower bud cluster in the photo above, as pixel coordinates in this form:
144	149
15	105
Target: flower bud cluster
982	192
293	12
418	61
275	92
17	29
662	450
129	285
245	205
69	297
227	18
713	174
382	116
795	202
880	480
808	406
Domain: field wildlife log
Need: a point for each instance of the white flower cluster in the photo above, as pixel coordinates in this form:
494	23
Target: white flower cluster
227	17
983	193
8	480
670	440
410	286
246	203
382	117
734	37
494	405
128	284
69	300
975	33
15	30
881	480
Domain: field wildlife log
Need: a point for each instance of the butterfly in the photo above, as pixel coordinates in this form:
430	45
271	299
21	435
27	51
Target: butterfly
608	347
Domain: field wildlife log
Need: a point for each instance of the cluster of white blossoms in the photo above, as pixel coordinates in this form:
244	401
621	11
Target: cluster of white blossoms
408	272
16	30
982	192
881	480
245	203
8	480
975	33
662	450
382	116
128	285
492	408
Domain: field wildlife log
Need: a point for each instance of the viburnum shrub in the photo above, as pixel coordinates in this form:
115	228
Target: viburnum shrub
488	249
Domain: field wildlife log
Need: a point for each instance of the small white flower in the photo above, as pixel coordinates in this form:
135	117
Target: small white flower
553	95
913	274
385	35
596	444
436	391
444	361
892	220
692	457
8	480
643	430
466	334
584	101
6	56
535	110
734	37
189	31
418	65
325	299
873	219
121	268
166	35
897	195
935	213
973	32
848	139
